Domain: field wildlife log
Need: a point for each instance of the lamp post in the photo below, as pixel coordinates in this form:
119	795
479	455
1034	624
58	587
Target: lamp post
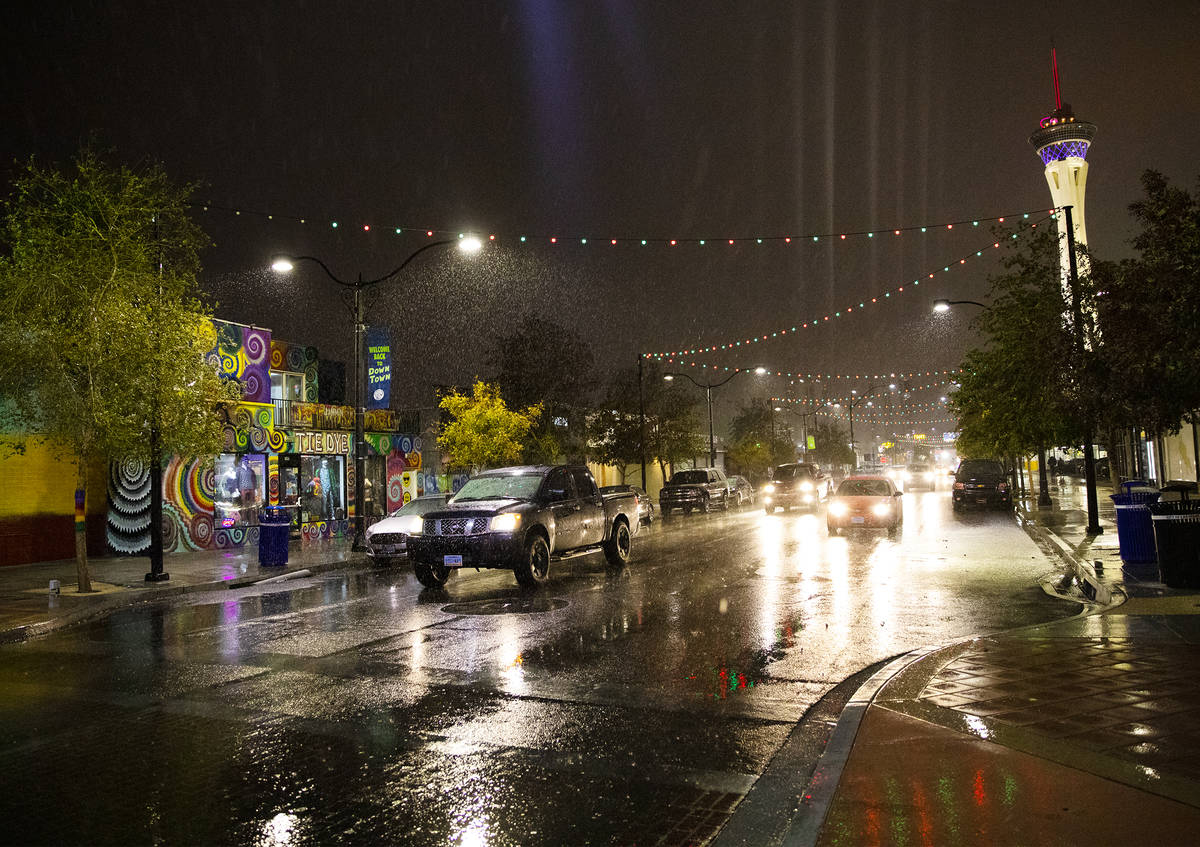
852	402
708	389
284	264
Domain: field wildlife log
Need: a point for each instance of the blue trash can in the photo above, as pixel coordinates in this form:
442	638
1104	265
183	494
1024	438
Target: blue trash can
1135	529
274	526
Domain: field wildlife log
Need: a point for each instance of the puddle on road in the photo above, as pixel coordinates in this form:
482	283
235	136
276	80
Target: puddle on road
534	605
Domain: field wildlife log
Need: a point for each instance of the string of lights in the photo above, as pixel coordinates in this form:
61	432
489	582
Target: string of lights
846	310
644	241
818	377
878	403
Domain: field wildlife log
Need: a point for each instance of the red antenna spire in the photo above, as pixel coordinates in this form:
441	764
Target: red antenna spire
1054	65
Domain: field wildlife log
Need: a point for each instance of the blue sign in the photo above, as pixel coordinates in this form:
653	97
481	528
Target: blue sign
379	368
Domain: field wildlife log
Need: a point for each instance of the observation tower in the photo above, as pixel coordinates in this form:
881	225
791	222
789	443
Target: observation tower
1062	142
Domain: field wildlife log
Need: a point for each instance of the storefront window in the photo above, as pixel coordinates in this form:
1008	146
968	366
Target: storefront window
324	485
240	490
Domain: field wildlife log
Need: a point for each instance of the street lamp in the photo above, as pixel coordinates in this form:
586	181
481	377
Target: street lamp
852	402
708	389
285	264
944	305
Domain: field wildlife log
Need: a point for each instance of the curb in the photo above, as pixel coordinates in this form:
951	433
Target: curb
102	606
1098	597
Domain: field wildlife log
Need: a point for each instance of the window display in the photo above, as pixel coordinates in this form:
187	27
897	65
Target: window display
375	487
324	497
241	488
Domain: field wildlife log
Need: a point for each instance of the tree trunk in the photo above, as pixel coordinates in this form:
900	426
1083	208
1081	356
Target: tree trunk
81	562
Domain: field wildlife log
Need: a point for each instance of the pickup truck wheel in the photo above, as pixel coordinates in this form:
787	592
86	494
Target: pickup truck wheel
431	576
725	503
619	546
535	566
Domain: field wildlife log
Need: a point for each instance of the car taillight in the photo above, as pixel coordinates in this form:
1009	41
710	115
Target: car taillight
1002	486
959	486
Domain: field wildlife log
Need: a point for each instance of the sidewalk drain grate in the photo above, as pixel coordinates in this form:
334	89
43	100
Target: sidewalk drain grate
507	606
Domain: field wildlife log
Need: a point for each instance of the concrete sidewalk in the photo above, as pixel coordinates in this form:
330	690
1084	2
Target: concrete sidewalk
27	608
1083	731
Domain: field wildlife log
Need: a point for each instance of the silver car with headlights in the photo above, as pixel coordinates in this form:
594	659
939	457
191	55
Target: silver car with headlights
801	484
387	540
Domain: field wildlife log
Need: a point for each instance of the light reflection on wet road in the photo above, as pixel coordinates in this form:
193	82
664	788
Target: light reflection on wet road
632	707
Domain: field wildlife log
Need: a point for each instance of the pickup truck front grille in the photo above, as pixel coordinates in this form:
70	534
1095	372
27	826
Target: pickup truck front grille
455	526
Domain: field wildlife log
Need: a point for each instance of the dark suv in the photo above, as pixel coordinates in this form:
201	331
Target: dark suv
981	482
795	484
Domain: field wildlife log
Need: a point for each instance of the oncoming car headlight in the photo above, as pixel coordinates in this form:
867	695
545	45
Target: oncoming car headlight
806	486
412	525
504	523
881	509
837	508
769	488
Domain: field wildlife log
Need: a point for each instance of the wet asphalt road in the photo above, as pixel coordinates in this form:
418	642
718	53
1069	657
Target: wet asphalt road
630	708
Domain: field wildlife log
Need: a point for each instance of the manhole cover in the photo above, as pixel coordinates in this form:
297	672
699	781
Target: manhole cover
507	606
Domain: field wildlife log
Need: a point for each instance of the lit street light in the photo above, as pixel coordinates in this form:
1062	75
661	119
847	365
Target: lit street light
944	305
284	264
708	388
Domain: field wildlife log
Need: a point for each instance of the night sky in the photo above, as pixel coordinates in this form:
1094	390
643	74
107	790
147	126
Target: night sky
616	119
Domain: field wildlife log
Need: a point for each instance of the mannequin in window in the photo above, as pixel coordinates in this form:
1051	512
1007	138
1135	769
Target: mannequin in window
325	475
247	483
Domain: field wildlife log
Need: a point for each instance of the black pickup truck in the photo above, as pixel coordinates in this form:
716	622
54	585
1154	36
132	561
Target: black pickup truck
699	488
520	518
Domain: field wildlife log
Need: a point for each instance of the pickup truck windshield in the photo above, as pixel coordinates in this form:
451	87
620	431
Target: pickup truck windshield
507	487
690	478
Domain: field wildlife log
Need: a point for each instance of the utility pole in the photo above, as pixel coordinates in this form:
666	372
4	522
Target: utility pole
642	412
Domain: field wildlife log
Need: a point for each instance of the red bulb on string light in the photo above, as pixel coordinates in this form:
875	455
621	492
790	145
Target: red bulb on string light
429	233
491	238
672	242
553	239
614	241
366	227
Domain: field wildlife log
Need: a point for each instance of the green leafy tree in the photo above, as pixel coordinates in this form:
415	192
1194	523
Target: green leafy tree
672	426
1033	383
833	443
759	439
614	428
1150	315
482	431
103	329
542	363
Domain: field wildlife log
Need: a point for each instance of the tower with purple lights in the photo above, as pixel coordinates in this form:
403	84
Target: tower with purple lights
1062	143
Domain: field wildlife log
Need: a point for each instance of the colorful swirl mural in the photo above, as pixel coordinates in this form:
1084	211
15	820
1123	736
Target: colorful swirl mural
297	359
188	490
127	527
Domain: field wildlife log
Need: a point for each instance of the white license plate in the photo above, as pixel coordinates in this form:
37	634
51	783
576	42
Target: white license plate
452	561
858	520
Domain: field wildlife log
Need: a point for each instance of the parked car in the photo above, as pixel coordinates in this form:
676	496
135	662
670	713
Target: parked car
523	518
741	492
865	501
981	482
387	540
645	504
796	484
920	475
696	489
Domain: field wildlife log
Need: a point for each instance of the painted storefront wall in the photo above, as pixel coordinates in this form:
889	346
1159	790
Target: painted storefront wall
278	452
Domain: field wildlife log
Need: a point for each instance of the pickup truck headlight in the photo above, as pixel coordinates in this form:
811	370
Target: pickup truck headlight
507	522
806	486
769	488
882	509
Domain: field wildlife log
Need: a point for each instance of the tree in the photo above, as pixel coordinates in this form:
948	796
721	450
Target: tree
759	439
614	429
542	363
483	431
833	443
103	332
1150	315
1028	387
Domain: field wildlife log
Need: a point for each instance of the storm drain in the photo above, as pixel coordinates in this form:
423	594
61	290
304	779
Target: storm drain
507	606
